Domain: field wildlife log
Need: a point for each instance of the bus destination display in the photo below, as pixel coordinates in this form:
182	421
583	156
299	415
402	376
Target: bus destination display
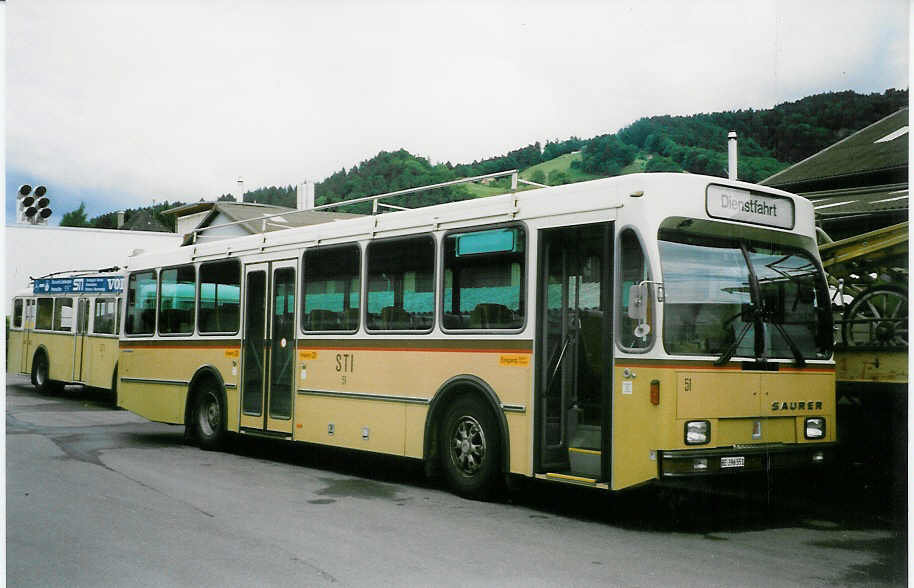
85	284
751	207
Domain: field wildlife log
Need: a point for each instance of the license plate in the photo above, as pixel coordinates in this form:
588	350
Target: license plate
732	462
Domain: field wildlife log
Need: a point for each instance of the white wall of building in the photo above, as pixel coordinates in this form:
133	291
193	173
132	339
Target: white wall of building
218	232
39	250
189	222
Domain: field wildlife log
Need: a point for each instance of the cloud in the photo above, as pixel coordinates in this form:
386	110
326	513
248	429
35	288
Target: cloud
174	100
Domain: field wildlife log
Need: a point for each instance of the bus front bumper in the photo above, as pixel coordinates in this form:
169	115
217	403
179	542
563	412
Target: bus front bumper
733	460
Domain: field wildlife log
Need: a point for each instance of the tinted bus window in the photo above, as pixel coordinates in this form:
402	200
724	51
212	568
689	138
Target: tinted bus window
141	304
331	289
104	321
633	271
220	297
401	285
63	314
17	313
483	279
176	300
45	314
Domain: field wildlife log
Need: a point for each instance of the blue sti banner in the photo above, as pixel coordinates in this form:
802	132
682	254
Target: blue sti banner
81	285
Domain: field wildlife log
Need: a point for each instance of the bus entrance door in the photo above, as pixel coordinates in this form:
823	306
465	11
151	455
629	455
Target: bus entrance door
80	357
573	367
268	348
28	323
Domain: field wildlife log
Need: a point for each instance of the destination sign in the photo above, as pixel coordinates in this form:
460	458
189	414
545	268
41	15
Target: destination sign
749	207
81	285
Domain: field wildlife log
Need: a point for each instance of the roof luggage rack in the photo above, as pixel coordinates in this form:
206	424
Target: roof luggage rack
375	200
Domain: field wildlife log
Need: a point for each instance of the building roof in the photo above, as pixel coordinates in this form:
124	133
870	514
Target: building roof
195	207
867	200
253	218
241	211
877	151
143	220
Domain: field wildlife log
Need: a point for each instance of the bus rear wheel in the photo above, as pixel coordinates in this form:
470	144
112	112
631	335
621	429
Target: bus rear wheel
40	375
470	448
208	418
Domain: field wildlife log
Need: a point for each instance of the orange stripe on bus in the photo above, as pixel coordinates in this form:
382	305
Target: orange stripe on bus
173	346
710	368
428	349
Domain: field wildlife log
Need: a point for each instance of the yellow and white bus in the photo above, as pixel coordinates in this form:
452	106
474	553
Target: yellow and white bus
65	331
607	333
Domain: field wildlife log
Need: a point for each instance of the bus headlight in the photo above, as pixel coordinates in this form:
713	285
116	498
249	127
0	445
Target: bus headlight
815	428
697	432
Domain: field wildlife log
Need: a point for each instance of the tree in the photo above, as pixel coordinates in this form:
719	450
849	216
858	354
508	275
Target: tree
558	177
226	198
659	163
75	218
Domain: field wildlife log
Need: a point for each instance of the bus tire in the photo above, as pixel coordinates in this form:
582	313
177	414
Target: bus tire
114	387
41	375
208	419
470	448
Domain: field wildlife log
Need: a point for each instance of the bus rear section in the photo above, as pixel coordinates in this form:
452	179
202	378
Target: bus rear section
65	332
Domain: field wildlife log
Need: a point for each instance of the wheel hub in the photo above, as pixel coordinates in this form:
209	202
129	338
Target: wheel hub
468	445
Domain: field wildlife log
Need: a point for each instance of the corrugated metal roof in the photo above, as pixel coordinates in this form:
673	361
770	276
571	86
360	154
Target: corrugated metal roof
873	199
881	146
241	212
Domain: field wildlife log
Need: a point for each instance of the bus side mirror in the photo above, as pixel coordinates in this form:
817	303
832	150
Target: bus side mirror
637	298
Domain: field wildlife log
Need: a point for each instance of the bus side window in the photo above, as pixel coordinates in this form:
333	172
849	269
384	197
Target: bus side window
17	313
45	314
401	292
633	271
63	314
484	279
220	297
103	320
141	303
332	287
176	300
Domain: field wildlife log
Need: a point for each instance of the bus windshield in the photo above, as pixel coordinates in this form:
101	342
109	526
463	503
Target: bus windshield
729	297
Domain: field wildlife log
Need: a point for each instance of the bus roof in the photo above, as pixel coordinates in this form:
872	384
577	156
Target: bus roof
640	199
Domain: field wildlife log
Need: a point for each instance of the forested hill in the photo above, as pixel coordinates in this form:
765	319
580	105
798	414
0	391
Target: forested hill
769	140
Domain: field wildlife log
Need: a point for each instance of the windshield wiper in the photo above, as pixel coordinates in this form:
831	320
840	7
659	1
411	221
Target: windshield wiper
728	353
750	316
799	360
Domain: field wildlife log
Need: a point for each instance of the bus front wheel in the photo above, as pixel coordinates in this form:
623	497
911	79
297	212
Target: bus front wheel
470	447
209	417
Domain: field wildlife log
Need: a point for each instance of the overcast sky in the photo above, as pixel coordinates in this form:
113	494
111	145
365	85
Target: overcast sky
119	103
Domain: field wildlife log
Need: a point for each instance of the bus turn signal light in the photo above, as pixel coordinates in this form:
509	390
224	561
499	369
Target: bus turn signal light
655	392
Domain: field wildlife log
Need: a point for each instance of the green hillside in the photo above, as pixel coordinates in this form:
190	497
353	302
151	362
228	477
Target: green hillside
560	170
770	140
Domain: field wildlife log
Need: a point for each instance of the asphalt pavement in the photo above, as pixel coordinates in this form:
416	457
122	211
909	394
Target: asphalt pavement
100	497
